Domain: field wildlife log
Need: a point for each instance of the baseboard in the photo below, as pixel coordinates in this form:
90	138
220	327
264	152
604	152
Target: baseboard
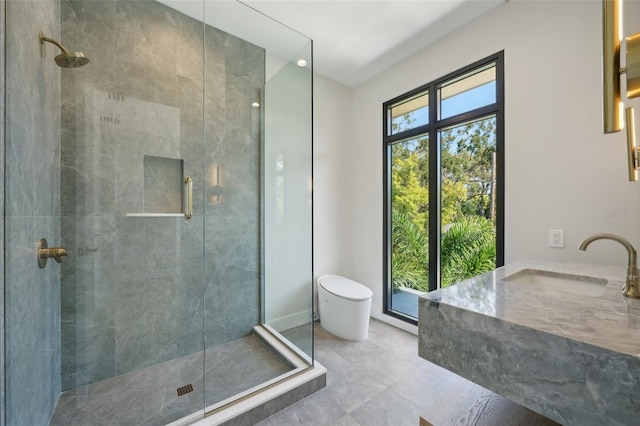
291	321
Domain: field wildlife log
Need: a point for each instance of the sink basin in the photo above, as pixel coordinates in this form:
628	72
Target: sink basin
574	284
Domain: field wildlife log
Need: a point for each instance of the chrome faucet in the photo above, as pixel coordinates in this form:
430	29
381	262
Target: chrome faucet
632	283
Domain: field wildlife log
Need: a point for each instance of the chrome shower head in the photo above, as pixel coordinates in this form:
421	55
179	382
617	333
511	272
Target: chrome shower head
66	59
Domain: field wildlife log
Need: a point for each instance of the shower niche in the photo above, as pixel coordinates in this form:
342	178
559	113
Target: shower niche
164	188
163	185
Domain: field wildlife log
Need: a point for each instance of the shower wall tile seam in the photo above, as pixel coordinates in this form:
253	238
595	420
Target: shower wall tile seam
2	232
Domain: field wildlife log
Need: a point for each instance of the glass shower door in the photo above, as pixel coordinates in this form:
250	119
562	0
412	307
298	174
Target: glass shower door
132	308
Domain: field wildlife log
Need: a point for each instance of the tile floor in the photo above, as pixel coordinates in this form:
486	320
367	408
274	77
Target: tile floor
148	396
381	381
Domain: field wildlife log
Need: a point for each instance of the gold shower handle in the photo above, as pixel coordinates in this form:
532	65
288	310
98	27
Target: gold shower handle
45	252
56	253
188	201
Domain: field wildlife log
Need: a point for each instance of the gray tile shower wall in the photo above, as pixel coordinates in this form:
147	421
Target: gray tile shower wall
32	295
138	288
233	69
2	144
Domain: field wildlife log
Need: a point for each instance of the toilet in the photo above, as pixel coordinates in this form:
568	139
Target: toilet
345	306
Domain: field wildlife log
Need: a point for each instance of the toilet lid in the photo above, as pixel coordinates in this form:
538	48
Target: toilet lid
345	288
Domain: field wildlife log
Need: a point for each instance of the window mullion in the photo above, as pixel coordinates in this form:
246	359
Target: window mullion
468	116
407	134
434	194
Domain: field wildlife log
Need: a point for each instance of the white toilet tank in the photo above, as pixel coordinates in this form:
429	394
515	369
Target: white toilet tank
345	306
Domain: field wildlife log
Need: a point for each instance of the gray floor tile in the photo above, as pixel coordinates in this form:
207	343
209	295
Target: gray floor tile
383	382
318	409
346	421
421	388
380	381
337	366
388	408
398	342
376	361
354	390
285	417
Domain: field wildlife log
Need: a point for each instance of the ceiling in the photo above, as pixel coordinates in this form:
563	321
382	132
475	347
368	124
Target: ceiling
355	40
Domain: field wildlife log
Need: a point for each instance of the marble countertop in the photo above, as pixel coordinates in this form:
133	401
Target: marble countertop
610	321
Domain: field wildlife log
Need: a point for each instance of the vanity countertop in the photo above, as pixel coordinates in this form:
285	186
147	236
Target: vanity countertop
610	321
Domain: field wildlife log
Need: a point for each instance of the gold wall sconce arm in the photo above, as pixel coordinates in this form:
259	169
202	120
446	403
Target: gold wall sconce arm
611	74
611	38
215	180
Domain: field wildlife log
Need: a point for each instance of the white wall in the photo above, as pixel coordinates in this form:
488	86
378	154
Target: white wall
331	158
561	171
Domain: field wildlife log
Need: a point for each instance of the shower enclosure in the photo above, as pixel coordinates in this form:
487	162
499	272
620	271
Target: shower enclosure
175	169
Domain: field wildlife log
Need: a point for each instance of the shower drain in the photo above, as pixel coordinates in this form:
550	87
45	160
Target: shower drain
185	389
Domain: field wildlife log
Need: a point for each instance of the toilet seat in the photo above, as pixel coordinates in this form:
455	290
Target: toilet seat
345	288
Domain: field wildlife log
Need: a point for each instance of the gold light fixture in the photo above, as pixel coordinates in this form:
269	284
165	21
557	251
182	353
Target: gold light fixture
611	73
215	179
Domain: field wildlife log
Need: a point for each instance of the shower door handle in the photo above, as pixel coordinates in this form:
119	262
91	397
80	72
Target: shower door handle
188	199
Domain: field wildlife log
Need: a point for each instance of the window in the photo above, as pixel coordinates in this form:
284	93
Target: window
443	184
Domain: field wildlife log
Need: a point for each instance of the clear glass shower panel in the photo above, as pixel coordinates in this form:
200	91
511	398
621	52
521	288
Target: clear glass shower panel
287	204
239	59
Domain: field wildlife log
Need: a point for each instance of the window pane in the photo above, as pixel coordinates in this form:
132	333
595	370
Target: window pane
409	223
468	200
473	90
409	114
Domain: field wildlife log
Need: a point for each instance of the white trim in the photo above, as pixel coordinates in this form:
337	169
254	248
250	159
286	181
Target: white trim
398	323
413	291
287	343
283	346
291	321
154	215
244	406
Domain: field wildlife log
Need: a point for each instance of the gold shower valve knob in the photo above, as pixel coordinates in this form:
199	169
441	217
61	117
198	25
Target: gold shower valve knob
45	252
56	252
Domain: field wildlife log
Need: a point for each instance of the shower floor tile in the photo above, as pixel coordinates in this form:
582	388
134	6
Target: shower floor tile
149	396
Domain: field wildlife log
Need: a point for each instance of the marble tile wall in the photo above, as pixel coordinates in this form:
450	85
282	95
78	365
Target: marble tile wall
163	185
139	287
32	211
232	228
2	144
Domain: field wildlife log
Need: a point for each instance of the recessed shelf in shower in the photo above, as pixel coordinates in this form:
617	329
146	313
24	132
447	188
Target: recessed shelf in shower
163	187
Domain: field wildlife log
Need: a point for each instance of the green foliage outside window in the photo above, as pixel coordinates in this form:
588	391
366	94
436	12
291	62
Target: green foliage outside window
468	241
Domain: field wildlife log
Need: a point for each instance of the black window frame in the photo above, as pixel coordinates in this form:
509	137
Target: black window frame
431	129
